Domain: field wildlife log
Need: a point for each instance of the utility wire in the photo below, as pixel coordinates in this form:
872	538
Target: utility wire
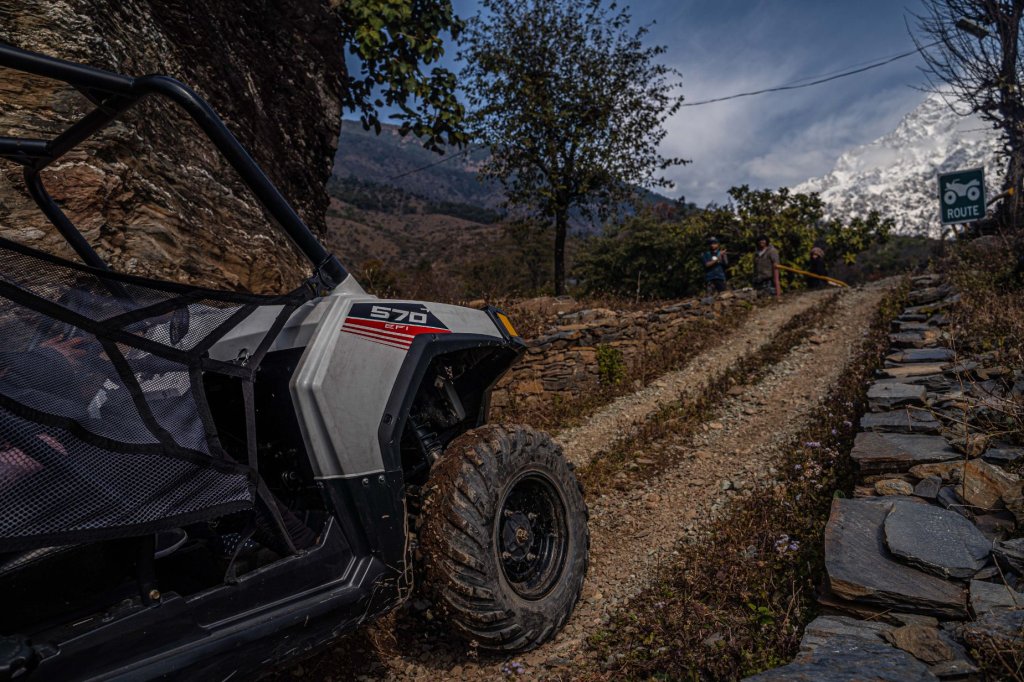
819	81
792	85
457	154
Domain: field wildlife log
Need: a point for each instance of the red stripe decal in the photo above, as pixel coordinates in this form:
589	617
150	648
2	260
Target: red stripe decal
396	327
378	339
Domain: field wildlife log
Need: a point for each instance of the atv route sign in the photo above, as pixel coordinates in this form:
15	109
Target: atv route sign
962	196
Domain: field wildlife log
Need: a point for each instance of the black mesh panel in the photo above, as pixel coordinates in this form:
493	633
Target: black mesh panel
101	432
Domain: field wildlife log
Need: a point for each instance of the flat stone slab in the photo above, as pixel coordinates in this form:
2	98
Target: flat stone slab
984	485
1000	629
1003	455
988	597
909	326
919	369
929	295
936	540
915	355
823	628
996	526
1011	553
914	339
885	452
861	568
850	659
885	396
950	499
900	421
928	488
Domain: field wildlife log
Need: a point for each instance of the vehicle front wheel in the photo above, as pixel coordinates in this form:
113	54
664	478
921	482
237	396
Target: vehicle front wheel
504	537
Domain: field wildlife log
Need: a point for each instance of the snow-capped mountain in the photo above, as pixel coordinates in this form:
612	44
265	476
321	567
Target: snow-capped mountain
897	173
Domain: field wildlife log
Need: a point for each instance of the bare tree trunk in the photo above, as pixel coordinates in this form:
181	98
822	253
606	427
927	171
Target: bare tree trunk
561	224
153	196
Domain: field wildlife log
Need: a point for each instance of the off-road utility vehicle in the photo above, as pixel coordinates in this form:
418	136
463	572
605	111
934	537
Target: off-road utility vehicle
198	484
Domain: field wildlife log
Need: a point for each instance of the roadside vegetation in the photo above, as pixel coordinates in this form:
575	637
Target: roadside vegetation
654	254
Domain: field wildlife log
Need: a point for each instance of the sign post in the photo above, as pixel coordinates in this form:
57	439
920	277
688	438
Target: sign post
962	196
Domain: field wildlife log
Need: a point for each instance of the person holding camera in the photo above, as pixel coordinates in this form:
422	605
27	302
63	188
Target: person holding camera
715	262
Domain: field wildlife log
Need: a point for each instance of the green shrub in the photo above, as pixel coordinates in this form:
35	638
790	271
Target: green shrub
611	366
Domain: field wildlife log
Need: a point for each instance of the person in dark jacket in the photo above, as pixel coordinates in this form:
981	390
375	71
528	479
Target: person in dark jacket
715	261
817	266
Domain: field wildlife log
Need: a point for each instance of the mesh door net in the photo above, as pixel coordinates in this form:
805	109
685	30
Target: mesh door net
104	427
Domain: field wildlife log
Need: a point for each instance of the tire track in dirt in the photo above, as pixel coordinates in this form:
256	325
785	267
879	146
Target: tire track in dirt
616	420
636	530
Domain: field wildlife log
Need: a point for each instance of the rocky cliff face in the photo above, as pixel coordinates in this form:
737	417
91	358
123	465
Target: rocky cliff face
153	195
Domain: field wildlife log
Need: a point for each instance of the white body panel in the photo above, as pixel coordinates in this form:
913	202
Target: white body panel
348	370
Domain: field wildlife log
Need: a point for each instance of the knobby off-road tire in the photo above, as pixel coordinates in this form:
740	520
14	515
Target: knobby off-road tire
504	537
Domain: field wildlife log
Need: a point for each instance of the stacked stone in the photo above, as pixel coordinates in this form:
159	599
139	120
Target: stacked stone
919	568
564	360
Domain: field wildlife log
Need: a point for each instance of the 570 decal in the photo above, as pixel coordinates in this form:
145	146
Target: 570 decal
383	312
392	324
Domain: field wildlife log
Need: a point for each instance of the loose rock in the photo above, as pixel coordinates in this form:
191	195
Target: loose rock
983	485
844	659
935	540
823	628
900	421
928	488
923	643
881	452
887	396
893	486
861	568
986	597
1002	455
922	355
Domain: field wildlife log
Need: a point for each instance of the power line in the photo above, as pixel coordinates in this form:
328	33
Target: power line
844	74
467	150
792	85
842	69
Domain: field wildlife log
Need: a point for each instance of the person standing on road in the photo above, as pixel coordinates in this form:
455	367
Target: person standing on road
715	260
817	267
766	274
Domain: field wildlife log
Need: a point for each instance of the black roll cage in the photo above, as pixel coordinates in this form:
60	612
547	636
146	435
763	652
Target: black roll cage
113	94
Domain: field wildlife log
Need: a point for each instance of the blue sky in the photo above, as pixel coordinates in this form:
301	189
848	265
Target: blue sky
778	139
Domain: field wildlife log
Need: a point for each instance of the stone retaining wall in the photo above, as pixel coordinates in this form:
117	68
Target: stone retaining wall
563	361
920	564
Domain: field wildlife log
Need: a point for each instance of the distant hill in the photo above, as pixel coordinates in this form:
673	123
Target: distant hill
414	223
392	160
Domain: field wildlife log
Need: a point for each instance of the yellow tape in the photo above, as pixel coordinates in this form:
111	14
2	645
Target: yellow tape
798	271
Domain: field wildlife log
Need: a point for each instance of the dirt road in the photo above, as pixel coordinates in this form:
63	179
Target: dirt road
618	418
635	528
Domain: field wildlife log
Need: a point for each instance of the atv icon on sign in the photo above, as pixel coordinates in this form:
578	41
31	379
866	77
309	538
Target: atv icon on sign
962	196
954	190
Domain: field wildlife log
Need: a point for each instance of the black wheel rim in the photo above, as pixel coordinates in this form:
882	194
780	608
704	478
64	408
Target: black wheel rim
532	535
